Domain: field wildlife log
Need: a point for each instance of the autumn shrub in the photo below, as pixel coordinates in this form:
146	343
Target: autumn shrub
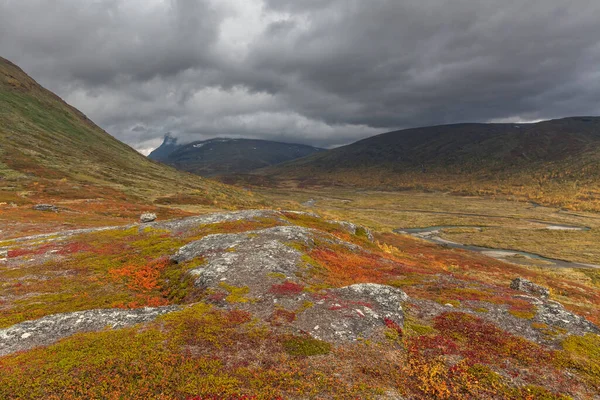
177	284
198	352
287	288
221	397
345	267
390	324
54	248
483	342
281	316
582	354
142	278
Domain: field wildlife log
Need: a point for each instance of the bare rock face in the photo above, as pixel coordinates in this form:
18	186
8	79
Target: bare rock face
527	286
52	328
147	217
271	274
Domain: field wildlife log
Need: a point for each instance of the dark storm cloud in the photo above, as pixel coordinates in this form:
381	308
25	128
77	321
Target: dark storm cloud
323	72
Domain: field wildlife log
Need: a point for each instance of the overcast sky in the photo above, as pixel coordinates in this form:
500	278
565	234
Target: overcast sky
320	72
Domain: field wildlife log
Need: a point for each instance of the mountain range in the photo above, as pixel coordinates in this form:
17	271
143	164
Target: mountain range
222	156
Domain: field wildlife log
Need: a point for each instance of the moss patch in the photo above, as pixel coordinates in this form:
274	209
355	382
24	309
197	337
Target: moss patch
306	346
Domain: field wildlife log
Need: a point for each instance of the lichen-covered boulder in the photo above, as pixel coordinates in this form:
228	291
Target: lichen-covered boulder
527	286
356	229
245	258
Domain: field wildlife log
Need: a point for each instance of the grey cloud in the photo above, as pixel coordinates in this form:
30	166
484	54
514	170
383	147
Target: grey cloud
313	71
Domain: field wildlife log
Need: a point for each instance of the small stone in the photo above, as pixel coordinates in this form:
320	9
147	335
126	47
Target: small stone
45	207
449	305
147	217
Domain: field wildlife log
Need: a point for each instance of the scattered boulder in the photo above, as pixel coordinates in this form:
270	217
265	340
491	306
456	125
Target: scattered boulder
45	207
147	217
527	286
50	329
309	203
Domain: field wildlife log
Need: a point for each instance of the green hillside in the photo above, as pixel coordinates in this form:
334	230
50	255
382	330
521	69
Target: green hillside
50	153
44	139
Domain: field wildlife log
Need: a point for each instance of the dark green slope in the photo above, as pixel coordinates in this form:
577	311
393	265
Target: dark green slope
461	144
557	160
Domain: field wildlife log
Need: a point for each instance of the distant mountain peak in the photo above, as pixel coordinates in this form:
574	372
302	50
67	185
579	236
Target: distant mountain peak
169	139
170	143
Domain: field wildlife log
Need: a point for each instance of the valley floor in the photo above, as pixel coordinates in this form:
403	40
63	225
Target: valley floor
497	223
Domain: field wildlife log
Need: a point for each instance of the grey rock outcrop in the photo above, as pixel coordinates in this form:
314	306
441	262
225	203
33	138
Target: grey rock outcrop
264	261
355	229
181	225
524	285
241	258
52	328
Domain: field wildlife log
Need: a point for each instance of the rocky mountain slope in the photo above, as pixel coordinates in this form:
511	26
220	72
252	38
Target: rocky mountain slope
51	152
265	304
553	162
227	156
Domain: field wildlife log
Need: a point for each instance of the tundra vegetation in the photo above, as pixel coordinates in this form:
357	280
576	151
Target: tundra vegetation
466	333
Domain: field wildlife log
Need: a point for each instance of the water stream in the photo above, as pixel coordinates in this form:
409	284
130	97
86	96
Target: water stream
432	234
